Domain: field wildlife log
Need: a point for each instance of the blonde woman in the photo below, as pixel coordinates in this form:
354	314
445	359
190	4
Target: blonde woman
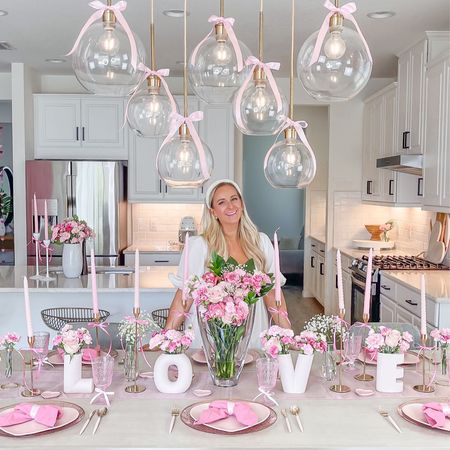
229	231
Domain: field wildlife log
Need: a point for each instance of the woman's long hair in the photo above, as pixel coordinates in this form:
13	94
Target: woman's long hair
248	235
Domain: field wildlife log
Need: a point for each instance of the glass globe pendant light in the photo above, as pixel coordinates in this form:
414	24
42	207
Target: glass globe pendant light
334	63
216	66
291	163
259	108
184	160
148	110
106	54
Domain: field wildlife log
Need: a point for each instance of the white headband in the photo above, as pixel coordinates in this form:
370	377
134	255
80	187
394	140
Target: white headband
209	192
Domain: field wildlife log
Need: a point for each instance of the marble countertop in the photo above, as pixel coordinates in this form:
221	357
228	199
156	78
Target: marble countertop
320	238
152	278
359	252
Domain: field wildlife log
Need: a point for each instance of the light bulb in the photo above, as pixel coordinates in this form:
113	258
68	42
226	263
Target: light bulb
108	42
222	53
334	46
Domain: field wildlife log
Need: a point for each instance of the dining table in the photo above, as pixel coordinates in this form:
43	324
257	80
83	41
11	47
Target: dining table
142	420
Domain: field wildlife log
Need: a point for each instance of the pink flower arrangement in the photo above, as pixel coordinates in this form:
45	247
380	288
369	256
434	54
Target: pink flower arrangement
308	342
442	336
72	341
385	228
388	340
71	231
277	341
172	341
9	340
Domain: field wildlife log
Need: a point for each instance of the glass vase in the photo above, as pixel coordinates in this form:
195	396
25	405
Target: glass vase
226	347
329	363
8	362
443	378
129	365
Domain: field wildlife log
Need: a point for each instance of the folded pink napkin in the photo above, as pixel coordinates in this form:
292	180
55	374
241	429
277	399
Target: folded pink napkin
220	409
435	413
88	354
371	355
43	414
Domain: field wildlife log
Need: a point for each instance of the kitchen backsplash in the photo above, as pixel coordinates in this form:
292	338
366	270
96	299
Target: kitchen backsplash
158	223
410	233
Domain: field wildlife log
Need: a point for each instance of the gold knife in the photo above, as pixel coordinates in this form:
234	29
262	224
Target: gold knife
91	415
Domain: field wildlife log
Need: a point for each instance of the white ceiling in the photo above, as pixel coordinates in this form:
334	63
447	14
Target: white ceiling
41	29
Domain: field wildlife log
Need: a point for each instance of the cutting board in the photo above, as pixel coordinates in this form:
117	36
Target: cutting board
436	248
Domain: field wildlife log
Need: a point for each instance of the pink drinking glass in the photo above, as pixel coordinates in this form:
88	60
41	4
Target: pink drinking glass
102	371
266	371
41	342
352	347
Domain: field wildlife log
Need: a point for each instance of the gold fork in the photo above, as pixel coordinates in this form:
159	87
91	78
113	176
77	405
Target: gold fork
286	418
386	415
175	414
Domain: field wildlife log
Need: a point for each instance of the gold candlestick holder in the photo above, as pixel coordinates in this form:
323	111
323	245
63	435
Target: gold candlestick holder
341	388
424	388
364	376
30	391
136	388
97	342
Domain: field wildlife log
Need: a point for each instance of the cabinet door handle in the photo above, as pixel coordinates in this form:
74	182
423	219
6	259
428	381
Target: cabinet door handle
420	187
336	281
160	186
82	133
165	188
313	245
411	302
161	260
405	136
386	288
77	131
369	187
321	268
391	187
312	262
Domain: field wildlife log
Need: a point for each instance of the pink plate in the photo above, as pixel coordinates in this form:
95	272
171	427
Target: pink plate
199	357
410	359
412	411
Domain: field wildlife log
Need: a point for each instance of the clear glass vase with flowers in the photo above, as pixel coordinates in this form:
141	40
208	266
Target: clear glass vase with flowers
8	343
442	340
385	228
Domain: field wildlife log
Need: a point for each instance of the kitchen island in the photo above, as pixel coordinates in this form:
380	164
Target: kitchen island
115	292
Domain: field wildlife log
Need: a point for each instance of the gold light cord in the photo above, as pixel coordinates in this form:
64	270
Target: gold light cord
222	8
291	75
185	60
152	38
261	27
108	2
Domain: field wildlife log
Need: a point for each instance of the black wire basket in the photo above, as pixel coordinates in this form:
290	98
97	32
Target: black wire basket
160	317
56	318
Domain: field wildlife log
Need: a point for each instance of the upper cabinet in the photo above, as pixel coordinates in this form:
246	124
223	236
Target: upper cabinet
79	127
437	146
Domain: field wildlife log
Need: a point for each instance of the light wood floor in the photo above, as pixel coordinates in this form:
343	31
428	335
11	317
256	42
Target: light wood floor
300	308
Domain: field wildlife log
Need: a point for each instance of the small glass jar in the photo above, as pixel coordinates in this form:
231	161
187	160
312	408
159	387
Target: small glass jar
129	365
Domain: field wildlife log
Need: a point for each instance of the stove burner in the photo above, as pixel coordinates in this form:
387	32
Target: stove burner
388	262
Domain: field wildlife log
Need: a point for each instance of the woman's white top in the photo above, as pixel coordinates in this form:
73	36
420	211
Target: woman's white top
198	252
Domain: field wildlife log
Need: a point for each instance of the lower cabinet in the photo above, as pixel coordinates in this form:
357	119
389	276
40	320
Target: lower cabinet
316	270
154	259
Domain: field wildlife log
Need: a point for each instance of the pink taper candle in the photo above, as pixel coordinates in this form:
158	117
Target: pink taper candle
94	283
36	225
26	295
339	281
45	221
368	290
137	270
277	270
423	307
185	267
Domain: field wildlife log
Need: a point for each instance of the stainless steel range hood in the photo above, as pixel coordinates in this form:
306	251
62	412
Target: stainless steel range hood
411	164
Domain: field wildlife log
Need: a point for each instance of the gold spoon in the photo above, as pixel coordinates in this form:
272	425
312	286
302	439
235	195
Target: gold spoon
295	411
100	413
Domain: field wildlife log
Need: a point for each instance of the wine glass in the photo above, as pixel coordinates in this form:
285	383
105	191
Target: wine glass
352	347
40	347
102	371
266	371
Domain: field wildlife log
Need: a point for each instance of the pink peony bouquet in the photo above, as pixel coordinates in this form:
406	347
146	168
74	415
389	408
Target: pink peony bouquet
308	342
71	231
72	341
277	341
442	336
385	228
387	340
172	341
9	340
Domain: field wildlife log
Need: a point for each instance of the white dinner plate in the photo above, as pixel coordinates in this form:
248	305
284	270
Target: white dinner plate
410	359
230	424
199	357
414	412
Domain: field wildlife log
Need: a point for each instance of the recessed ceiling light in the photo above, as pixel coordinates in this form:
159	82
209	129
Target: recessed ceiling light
177	13
381	14
55	60
3	13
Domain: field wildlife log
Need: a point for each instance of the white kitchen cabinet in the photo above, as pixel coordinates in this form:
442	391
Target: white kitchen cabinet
387	310
437	147
347	287
315	270
154	259
79	127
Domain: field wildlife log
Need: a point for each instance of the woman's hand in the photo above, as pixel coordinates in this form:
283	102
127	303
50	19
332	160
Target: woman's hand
280	317
177	311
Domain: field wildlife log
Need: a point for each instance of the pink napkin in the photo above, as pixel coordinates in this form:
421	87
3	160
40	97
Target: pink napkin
435	413
43	414
88	354
371	355
220	409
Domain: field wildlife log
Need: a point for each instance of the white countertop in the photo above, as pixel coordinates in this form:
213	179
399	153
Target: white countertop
359	252
154	248
320	238
152	278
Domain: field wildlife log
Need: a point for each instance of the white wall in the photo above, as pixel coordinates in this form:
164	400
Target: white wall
5	86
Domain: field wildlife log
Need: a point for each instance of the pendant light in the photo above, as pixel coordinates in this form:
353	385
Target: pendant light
291	163
334	63
183	160
148	110
259	108
106	54
216	66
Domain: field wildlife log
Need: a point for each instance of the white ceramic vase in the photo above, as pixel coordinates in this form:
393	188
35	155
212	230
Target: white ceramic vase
161	373
73	383
388	374
72	261
294	379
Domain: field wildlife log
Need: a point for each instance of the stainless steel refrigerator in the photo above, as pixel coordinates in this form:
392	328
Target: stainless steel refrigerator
95	191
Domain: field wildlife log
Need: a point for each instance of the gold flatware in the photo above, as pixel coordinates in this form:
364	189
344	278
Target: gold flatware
100	413
175	414
91	415
295	411
286	418
386	415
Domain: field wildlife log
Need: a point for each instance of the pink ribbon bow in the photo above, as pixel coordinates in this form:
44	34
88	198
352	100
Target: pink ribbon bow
267	67
104	327
186	315
220	409
158	73
25	412
435	413
346	10
280	312
41	247
117	9
228	23
176	121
